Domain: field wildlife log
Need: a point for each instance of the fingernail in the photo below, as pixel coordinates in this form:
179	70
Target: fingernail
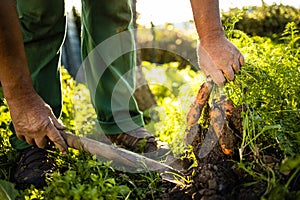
64	152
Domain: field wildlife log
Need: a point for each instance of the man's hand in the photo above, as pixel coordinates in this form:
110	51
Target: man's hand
33	119
35	122
218	57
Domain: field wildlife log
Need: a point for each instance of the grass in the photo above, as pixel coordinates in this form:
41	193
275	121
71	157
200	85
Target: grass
268	85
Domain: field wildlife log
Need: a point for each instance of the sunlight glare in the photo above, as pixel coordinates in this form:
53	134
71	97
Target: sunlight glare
175	11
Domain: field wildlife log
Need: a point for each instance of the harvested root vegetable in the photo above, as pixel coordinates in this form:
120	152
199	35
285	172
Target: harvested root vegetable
200	101
220	124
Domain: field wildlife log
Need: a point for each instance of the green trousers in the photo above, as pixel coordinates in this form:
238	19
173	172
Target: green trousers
107	52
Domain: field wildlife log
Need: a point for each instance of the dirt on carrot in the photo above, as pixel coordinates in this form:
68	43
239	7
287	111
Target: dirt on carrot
217	175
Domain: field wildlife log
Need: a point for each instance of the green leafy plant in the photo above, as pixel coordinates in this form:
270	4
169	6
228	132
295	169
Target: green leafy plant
267	85
7	191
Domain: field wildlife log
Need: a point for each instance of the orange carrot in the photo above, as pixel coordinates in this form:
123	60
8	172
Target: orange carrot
217	120
197	106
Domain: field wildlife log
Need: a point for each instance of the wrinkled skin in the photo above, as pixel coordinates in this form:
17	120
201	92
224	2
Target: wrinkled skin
36	123
33	119
220	59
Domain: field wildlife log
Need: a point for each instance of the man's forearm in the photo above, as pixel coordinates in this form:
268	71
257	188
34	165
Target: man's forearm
207	18
14	73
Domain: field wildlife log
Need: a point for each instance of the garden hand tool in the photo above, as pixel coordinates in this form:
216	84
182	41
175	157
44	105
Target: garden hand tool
122	157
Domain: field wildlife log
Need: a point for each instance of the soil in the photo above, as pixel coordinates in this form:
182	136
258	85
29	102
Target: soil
217	175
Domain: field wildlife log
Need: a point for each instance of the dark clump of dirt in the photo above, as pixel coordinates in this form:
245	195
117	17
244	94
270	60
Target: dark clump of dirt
217	175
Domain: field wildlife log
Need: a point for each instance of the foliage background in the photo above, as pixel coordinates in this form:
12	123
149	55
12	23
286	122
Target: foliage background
268	84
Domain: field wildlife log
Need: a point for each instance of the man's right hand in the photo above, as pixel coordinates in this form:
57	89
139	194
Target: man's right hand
33	119
35	122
